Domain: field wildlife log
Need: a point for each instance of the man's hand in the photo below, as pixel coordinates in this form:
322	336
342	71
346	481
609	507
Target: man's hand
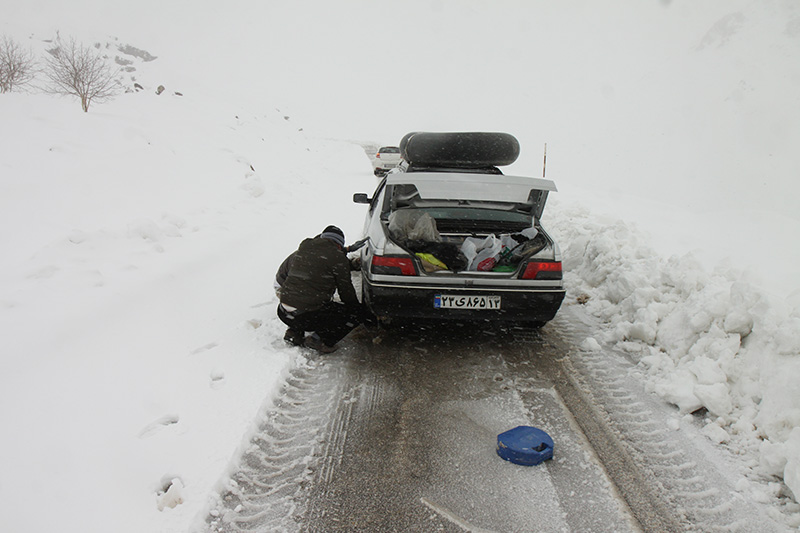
356	245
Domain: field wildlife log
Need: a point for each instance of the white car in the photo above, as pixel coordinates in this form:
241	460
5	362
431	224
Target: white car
451	237
387	158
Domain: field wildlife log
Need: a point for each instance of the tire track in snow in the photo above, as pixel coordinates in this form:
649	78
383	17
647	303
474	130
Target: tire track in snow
425	420
295	475
687	492
292	447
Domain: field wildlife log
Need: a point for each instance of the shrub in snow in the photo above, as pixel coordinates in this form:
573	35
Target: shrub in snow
17	66
76	70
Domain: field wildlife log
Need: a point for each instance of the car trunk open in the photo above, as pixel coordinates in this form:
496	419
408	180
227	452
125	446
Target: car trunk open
449	230
457	250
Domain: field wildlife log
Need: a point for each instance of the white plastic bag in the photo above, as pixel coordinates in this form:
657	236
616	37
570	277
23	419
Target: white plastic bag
530	233
482	254
413	225
470	249
485	254
508	242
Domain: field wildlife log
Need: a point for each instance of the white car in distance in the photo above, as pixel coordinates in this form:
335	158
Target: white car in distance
387	158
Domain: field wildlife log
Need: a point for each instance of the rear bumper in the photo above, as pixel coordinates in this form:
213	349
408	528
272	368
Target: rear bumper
404	301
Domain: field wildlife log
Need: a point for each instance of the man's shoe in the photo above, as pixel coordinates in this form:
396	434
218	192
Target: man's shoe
315	343
294	337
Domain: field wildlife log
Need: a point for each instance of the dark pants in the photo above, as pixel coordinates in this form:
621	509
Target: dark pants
332	322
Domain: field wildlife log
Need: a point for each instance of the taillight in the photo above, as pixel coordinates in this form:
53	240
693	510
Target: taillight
542	270
384	264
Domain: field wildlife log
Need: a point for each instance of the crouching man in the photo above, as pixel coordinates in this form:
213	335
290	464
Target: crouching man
318	269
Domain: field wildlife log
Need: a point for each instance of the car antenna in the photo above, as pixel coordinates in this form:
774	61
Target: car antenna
544	162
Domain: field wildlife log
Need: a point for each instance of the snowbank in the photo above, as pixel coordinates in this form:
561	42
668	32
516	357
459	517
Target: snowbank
712	344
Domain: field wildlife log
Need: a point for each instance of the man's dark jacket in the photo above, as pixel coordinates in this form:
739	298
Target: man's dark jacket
283	270
319	268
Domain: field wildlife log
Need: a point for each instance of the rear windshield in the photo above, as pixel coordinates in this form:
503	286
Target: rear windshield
478	220
478	215
389	150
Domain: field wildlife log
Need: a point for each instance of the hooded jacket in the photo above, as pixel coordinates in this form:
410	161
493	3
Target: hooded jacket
319	269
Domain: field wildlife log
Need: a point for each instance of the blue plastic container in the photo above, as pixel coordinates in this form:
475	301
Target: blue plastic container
525	445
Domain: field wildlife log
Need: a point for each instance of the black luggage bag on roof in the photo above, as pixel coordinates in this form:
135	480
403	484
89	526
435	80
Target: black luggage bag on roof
459	149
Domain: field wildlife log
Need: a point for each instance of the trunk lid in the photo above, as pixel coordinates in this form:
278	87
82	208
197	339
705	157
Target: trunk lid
452	189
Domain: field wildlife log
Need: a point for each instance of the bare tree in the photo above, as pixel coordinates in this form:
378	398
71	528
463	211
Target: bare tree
77	70
17	66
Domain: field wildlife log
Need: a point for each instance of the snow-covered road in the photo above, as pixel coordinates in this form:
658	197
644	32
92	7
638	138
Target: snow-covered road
397	431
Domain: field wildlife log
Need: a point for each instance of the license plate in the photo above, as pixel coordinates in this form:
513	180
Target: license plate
448	301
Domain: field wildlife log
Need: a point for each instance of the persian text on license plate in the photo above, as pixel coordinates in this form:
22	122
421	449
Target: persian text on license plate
447	301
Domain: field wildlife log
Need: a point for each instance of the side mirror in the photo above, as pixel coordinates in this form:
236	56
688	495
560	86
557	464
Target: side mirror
361	198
